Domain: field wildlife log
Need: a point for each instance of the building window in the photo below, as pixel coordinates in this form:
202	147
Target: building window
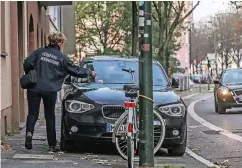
3	48
55	16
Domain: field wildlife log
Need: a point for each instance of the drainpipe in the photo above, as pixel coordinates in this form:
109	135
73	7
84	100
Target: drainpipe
59	95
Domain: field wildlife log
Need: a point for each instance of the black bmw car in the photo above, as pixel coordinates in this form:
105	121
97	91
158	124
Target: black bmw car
90	107
228	90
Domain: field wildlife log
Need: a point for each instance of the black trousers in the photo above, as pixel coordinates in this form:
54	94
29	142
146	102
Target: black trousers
49	100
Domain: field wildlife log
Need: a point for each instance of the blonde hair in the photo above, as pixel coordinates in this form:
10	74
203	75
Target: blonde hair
56	37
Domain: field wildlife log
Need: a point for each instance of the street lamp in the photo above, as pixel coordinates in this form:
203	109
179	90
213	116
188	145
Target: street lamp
190	45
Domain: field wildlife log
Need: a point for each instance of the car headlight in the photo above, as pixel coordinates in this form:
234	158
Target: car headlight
74	106
173	109
225	91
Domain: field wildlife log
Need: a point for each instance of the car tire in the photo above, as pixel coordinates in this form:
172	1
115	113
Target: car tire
179	150
221	110
65	145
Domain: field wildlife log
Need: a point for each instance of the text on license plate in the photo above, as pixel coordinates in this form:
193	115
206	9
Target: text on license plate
110	127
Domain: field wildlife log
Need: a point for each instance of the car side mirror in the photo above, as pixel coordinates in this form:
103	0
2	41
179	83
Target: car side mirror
216	82
67	80
174	83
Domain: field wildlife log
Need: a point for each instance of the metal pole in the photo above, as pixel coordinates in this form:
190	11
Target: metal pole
208	80
190	47
208	73
200	85
214	45
134	28
146	143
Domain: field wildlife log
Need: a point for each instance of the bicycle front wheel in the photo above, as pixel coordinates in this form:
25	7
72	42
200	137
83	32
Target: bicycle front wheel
121	142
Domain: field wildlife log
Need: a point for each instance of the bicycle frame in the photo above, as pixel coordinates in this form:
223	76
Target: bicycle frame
131	120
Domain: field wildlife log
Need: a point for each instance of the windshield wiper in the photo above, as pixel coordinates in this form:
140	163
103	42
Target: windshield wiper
117	83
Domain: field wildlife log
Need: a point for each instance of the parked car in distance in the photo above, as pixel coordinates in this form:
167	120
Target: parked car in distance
203	79
90	108
196	78
228	90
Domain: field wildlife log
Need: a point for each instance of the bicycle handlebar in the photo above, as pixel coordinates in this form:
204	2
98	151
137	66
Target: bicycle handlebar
128	70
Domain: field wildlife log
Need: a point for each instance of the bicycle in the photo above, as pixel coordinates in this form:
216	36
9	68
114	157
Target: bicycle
130	134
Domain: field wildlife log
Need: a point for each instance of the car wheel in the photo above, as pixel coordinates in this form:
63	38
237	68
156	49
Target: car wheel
179	150
65	145
222	110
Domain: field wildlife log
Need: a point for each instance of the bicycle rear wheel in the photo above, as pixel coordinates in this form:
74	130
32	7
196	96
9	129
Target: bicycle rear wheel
121	142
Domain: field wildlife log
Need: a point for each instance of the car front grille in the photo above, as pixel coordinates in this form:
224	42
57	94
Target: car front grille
112	111
238	92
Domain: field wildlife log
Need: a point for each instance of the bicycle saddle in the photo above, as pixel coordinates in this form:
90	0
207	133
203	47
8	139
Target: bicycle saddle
131	87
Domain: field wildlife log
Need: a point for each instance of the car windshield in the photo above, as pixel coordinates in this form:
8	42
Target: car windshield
110	72
232	76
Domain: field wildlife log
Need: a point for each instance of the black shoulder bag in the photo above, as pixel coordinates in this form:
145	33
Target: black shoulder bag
29	80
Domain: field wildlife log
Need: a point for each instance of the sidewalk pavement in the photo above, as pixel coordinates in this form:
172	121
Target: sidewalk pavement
14	154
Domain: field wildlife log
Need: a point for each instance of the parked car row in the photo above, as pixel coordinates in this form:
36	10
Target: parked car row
176	77
201	78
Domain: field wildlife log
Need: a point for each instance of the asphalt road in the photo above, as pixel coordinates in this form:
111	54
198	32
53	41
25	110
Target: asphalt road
210	145
213	144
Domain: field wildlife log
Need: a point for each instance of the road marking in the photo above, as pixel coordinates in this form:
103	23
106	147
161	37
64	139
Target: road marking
45	161
190	152
189	96
208	124
200	159
32	156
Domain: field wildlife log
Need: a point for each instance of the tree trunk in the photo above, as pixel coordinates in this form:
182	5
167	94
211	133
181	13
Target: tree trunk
167	58
238	63
105	42
134	28
227	59
193	69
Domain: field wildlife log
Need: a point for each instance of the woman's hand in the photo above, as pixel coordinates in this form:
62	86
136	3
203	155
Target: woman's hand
94	74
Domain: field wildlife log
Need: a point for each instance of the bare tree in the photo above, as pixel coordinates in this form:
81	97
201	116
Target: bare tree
201	43
236	44
170	17
225	37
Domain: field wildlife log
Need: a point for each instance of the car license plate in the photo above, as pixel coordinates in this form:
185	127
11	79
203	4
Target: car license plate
240	99
110	127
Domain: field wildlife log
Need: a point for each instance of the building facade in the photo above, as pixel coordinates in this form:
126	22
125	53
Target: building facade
68	27
183	53
24	27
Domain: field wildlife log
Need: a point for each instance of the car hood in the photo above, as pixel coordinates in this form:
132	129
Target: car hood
114	94
234	86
